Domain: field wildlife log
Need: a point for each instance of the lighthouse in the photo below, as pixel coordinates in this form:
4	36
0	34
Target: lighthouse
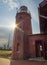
20	43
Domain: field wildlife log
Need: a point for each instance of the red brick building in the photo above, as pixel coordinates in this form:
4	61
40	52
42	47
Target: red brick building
27	45
43	16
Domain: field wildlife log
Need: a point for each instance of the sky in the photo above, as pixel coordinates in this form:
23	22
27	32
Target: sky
8	10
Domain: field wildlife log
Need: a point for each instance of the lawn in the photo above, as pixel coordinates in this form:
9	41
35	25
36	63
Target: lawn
5	53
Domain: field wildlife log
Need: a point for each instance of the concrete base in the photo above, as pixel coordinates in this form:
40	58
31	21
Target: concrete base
26	62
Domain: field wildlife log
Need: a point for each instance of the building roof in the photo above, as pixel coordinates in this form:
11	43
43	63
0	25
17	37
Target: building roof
43	3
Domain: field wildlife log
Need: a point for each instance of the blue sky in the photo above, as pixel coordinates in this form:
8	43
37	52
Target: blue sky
8	10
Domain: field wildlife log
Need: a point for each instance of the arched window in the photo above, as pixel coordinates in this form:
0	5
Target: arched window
18	45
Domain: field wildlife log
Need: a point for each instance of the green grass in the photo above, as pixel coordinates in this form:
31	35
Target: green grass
5	53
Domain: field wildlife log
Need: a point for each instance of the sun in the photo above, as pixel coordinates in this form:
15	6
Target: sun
14	26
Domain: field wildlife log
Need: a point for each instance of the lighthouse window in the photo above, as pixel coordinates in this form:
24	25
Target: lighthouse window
19	37
20	17
18	46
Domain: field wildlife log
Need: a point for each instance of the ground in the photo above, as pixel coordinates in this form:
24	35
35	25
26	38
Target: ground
5	56
4	61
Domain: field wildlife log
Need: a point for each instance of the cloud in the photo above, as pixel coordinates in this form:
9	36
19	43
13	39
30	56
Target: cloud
11	4
1	33
10	25
3	41
5	1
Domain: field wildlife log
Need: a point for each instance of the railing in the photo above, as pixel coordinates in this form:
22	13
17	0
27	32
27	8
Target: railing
19	11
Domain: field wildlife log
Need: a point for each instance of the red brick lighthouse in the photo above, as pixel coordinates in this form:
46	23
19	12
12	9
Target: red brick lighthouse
23	21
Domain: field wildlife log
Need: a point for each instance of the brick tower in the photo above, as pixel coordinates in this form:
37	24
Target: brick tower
20	45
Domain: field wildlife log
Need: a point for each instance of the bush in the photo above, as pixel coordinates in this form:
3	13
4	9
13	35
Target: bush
5	53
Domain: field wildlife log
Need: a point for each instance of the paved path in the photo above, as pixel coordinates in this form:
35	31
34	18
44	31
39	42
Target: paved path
4	61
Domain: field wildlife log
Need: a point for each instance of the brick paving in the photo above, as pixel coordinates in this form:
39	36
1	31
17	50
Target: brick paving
27	62
4	61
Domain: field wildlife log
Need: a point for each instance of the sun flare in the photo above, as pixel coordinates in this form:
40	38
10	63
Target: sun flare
14	26
17	26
